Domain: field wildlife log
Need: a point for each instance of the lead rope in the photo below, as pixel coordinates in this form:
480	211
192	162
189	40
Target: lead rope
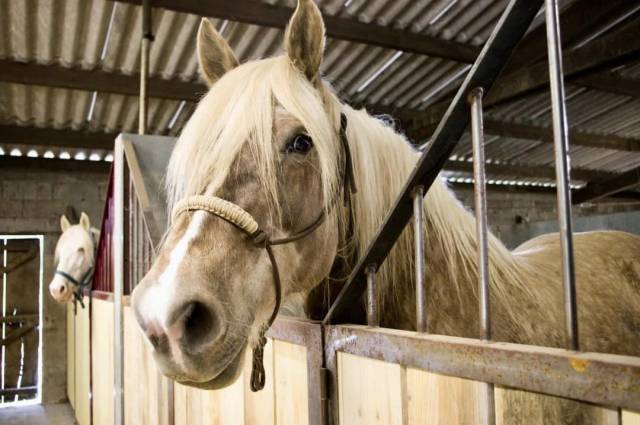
257	366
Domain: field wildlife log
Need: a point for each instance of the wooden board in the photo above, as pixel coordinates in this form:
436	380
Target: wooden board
82	365
150	406
630	418
259	407
283	401
102	361
71	348
369	391
516	406
441	400
200	407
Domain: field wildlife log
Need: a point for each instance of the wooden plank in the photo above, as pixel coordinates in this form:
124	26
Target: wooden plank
71	347
148	407
441	400
369	391
630	418
517	406
82	365
219	407
291	390
276	16
259	407
102	361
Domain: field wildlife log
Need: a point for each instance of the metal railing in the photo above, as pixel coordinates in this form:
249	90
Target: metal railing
467	106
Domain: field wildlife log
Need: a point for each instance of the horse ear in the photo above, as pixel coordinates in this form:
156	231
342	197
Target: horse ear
64	223
214	54
84	221
304	39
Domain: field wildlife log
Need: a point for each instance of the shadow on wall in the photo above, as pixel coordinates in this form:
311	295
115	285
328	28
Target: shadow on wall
514	235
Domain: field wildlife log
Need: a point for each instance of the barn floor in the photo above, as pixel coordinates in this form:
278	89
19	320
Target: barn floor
51	414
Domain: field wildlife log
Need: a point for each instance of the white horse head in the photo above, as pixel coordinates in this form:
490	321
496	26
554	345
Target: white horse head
75	256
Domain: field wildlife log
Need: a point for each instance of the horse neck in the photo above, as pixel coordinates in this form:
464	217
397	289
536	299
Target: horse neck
383	161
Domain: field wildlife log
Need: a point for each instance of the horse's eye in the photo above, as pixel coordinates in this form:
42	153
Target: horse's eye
301	143
81	250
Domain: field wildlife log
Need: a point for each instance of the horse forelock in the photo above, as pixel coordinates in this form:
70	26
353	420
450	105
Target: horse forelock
239	112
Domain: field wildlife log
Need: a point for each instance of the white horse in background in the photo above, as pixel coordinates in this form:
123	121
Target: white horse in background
74	258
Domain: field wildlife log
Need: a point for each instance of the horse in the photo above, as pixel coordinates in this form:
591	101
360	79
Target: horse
263	157
74	258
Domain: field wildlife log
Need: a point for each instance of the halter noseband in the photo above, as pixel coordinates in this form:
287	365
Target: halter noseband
245	222
80	285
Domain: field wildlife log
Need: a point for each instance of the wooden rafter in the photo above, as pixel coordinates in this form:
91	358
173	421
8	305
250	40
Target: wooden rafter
599	189
276	16
53	164
67	138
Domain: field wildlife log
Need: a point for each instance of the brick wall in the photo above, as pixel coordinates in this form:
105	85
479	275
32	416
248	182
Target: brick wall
31	202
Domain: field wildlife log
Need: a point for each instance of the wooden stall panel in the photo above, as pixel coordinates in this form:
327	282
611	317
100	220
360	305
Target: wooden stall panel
370	391
71	348
517	406
259	407
291	390
145	389
82	364
630	418
200	407
434	399
102	361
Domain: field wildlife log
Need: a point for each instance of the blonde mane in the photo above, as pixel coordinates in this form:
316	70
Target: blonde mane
239	109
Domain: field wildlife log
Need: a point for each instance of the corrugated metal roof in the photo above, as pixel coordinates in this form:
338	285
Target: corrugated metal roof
99	34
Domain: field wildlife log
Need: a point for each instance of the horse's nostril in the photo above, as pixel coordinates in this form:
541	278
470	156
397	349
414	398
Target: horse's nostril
199	325
63	289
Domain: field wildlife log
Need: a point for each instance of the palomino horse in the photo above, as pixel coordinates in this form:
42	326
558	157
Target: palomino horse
74	258
265	144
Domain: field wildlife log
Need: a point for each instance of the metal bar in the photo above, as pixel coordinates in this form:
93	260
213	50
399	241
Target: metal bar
605	379
480	195
561	148
373	319
118	279
510	28
145	48
418	238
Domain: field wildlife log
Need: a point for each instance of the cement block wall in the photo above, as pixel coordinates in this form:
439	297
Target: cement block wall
31	202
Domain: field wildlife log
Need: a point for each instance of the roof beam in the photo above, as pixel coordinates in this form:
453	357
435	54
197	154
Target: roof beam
275	16
53	164
96	80
599	55
544	134
579	21
610	82
599	189
67	138
527	171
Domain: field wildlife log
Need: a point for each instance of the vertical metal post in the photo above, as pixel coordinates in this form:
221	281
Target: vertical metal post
118	279
480	195
561	147
418	237
373	319
147	39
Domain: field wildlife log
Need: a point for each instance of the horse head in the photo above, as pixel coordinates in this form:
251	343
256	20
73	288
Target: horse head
261	160
74	258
